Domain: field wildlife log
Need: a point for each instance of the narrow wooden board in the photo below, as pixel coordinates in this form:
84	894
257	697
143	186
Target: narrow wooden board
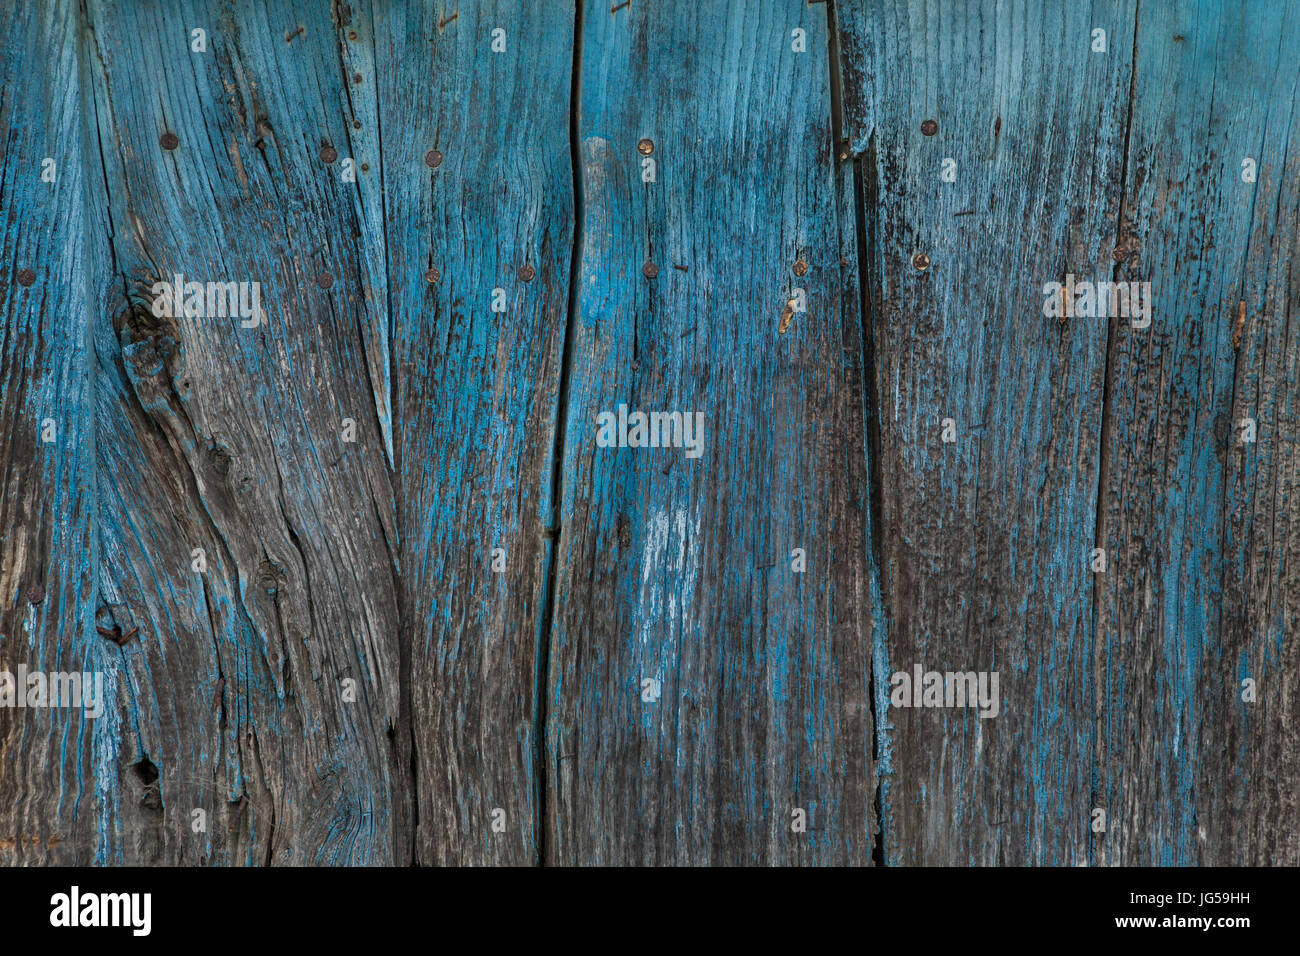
1205	581
679	570
986	539
476	395
51	788
265	689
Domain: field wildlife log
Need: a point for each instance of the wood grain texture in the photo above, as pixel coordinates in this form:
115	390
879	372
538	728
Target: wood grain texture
230	439
475	635
986	539
477	392
1204	585
679	569
51	790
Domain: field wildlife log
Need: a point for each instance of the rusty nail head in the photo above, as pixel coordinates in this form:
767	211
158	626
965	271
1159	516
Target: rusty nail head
645	147
650	270
169	140
433	159
26	277
800	268
921	261
36	594
356	124
433	275
324	280
356	77
526	272
328	154
352	34
929	127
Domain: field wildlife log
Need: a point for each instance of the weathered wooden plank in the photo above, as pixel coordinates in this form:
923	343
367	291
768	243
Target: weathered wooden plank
678	570
986	537
51	783
220	434
1260	810
479	197
1204	582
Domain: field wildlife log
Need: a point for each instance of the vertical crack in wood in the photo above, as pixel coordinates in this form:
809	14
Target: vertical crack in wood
96	213
383	414
862	181
394	446
408	769
541	781
865	189
1104	463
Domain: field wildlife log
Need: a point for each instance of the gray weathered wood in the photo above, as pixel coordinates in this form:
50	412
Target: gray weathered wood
231	439
52	791
475	634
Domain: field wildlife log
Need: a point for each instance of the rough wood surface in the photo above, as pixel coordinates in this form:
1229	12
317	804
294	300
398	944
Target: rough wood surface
52	786
476	395
679	570
231	439
986	538
363	581
1204	584
1122	689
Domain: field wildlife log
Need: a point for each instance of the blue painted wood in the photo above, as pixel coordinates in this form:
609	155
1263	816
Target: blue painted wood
1204	585
476	394
701	688
1122	695
670	659
56	804
986	538
234	440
